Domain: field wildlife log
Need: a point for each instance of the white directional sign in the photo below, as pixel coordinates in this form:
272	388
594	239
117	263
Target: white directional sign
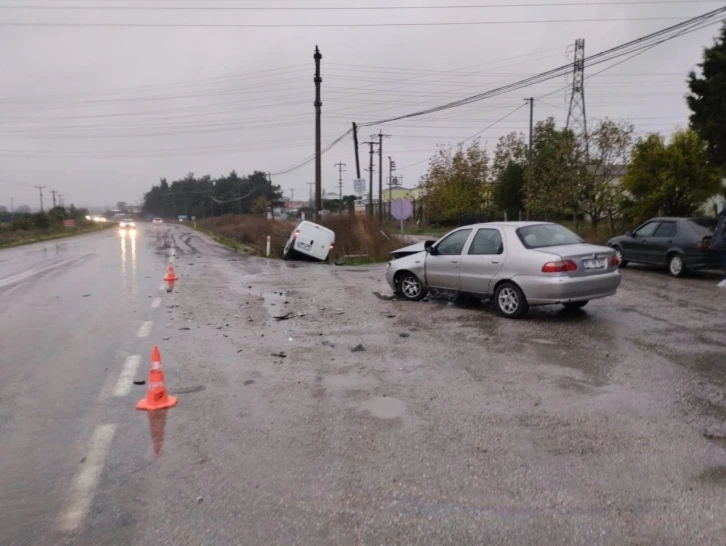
359	185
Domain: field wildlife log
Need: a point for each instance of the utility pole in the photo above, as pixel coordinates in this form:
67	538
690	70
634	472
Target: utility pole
341	170
40	191
53	192
292	198
60	199
530	100
381	136
318	107
370	181
311	197
391	168
272	202
355	145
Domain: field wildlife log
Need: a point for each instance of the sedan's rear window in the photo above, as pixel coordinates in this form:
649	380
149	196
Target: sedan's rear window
543	235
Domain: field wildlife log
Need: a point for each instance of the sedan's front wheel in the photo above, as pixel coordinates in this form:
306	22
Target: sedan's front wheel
510	301
410	287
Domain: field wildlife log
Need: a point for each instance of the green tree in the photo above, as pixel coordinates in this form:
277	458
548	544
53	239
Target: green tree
556	167
456	183
508	190
598	193
673	179
707	100
261	205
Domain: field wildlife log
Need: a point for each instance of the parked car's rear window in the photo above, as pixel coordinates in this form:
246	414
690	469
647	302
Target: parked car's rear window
543	235
703	226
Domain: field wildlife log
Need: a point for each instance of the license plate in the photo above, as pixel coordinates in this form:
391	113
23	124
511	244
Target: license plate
595	264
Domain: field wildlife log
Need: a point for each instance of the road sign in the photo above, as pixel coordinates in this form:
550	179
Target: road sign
359	186
69	223
401	208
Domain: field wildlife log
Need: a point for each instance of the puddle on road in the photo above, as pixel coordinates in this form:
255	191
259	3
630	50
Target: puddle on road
348	383
716	475
384	407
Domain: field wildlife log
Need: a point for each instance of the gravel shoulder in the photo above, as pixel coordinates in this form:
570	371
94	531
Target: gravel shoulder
451	426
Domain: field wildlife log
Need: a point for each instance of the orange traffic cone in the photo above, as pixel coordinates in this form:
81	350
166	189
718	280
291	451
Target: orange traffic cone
170	275
156	395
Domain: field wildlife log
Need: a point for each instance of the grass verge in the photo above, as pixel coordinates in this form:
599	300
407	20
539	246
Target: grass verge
357	240
10	239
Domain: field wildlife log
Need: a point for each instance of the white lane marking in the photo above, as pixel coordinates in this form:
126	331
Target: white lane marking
128	372
26	274
162	287
86	480
156	302
145	328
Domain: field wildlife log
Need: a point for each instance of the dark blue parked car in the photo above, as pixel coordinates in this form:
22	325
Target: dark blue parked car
681	244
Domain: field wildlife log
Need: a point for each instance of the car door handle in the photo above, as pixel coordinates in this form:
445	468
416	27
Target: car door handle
454	261
495	261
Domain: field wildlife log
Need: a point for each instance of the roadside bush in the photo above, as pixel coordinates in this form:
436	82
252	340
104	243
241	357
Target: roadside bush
361	236
354	236
251	232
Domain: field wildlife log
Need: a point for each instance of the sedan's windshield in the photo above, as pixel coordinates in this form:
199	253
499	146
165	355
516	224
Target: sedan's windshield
543	235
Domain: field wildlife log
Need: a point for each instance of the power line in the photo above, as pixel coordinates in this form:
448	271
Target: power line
311	158
358	8
470	137
332	25
604	56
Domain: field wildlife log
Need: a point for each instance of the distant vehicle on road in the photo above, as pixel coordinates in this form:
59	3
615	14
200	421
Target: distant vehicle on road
157	221
680	244
127	223
311	241
519	264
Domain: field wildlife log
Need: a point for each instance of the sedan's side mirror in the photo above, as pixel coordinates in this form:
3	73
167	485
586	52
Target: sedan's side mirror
428	249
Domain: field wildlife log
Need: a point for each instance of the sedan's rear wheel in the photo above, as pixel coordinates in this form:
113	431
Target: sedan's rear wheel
510	301
410	287
676	265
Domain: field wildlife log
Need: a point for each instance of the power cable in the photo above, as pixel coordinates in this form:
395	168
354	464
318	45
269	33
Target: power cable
311	158
604	56
355	8
331	25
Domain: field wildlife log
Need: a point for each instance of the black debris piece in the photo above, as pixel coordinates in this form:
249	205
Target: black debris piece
404	334
279	355
141	382
286	316
185	328
358	349
85	295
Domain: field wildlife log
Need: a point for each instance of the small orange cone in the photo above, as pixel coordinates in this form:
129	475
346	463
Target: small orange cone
170	275
156	395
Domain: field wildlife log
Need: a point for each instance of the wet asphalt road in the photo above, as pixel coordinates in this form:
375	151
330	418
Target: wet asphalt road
452	426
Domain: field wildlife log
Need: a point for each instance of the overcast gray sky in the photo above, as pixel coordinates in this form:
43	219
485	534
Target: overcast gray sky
100	113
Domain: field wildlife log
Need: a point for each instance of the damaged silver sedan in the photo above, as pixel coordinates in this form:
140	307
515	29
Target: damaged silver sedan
518	264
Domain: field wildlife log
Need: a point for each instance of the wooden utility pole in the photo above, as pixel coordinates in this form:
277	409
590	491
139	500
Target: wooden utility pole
531	121
341	169
355	144
381	136
272	200
40	191
53	192
370	181
318	108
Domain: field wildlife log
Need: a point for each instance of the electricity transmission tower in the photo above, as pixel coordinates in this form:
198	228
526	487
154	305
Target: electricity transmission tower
576	115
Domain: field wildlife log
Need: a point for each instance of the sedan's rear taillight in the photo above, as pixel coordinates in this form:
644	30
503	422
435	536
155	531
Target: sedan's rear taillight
332	246
614	260
703	246
559	267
